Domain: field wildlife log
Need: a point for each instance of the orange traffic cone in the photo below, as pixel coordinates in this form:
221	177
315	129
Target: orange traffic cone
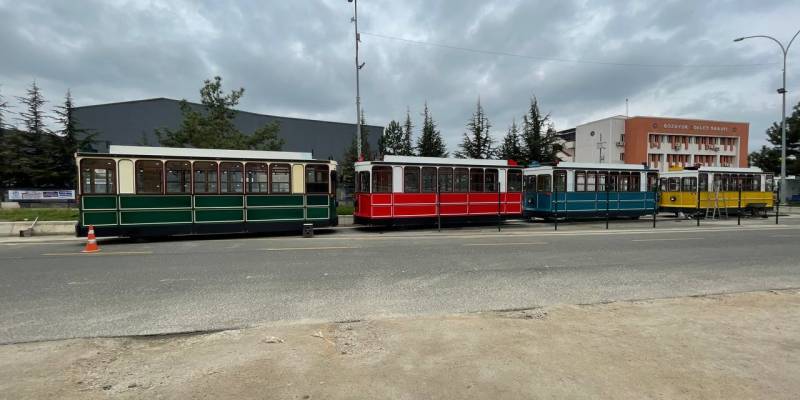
91	244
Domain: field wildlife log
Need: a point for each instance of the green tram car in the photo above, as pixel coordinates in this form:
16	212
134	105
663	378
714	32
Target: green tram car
158	191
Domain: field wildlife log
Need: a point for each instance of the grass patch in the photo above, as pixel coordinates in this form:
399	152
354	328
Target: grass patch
344	210
44	214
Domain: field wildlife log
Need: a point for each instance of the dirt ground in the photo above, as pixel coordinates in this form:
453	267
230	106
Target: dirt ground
724	347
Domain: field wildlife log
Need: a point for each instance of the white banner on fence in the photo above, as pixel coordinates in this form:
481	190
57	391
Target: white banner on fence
16	195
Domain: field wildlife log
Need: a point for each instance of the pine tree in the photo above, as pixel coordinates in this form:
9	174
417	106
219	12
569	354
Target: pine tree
70	140
34	162
430	143
3	111
511	148
406	147
391	141
7	152
769	158
477	142
539	139
214	128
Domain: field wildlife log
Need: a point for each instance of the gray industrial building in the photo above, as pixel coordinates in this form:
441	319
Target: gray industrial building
135	122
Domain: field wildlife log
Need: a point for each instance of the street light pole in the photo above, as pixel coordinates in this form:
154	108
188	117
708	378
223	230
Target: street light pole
782	91
358	68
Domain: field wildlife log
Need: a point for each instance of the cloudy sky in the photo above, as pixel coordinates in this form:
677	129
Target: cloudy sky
295	58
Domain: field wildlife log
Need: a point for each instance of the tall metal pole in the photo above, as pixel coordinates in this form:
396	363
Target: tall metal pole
782	91
358	89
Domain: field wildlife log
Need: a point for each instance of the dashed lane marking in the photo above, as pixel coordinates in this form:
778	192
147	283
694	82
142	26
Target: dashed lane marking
311	248
666	239
101	253
504	244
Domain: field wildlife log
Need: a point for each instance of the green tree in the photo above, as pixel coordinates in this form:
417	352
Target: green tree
33	164
477	141
406	147
430	143
769	158
3	111
70	140
511	148
214	128
539	140
7	153
391	141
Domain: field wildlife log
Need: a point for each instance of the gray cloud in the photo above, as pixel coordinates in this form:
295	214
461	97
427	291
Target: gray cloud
296	57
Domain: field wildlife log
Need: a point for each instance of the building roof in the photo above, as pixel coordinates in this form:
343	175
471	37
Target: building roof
135	122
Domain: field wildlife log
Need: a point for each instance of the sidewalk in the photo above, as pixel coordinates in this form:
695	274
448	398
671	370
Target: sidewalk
724	346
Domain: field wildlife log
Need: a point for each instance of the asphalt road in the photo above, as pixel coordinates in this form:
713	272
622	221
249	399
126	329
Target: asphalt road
48	290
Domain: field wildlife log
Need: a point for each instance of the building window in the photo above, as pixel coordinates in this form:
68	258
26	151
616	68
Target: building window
98	176
476	180
205	177
317	179
514	180
491	176
257	177
149	176
280	178
231	177
382	179
445	179
179	176
411	179
461	180
429	179
622	156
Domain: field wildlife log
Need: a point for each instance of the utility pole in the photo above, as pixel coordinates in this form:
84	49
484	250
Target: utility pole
354	20
782	91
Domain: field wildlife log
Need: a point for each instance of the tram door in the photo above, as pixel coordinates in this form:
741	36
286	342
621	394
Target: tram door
530	191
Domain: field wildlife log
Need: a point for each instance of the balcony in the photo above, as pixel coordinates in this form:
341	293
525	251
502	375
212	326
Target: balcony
620	144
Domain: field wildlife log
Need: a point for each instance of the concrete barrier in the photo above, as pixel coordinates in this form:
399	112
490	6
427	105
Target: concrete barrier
345	220
41	228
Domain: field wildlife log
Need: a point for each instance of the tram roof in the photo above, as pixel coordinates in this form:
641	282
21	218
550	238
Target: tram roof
592	166
722	170
440	161
183	152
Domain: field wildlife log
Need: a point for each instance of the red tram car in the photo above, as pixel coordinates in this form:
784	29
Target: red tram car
403	189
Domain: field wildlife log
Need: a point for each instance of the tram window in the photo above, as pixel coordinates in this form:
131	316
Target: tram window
580	181
257	177
316	179
652	182
703	182
382	179
514	180
674	185
411	179
362	184
491	181
205	177
98	176
591	181
770	183
756	183
149	176
445	179
623	182
280	178
476	179
560	181
530	183
613	181
179	176
461	180
635	184
602	178
429	179
543	183
664	185
231	177
688	184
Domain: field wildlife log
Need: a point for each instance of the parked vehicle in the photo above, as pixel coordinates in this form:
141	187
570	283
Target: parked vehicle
718	189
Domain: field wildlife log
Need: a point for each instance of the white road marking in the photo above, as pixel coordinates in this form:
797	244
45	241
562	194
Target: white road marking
176	279
784	236
84	283
666	239
311	248
503	244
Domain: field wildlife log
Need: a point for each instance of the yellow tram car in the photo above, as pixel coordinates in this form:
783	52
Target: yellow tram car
718	190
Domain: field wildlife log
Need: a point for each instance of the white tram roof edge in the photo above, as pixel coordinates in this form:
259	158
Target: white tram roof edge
444	161
207	153
592	166
722	170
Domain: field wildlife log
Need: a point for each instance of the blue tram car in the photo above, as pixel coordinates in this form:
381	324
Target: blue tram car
585	190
